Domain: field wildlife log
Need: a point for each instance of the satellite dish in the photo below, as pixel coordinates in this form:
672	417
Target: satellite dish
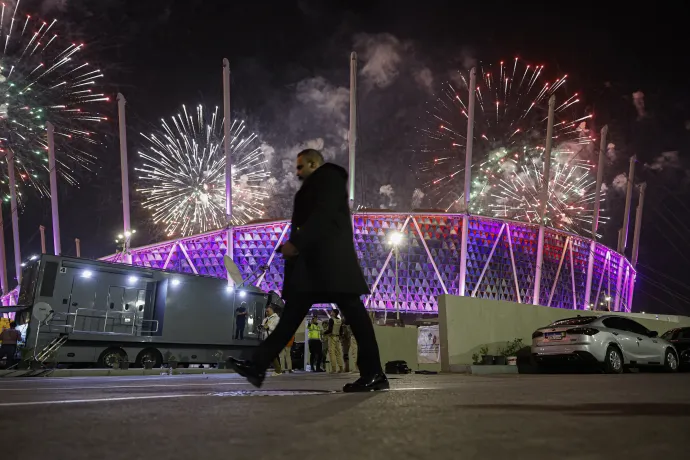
233	272
42	311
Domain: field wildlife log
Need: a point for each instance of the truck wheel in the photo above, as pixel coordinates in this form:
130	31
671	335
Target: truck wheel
150	354
109	356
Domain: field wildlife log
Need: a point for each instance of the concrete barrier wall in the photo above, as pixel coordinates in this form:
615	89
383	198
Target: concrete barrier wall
395	343
467	323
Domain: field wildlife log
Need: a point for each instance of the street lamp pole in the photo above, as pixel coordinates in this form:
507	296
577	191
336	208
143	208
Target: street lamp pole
397	288
395	239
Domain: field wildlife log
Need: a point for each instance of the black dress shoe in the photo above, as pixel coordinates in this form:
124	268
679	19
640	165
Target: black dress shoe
364	384
248	370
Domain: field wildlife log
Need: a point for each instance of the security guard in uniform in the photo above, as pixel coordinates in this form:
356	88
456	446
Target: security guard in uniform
315	347
335	349
349	347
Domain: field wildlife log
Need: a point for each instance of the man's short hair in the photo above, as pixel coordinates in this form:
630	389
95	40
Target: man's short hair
312	155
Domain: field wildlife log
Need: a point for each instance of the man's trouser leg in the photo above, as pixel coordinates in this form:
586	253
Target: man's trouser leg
369	361
242	332
293	315
8	352
335	353
284	361
314	354
288	358
354	367
277	368
345	345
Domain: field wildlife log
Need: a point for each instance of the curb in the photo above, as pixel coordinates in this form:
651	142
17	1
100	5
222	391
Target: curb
493	369
108	372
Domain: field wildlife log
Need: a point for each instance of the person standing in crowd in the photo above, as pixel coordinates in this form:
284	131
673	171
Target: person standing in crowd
349	347
269	325
345	334
9	338
335	350
315	347
286	356
321	266
240	320
324	345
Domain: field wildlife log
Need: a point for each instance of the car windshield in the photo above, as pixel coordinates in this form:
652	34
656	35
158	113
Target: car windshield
578	321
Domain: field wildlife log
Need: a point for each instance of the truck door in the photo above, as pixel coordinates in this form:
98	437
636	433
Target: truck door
132	311
123	309
81	301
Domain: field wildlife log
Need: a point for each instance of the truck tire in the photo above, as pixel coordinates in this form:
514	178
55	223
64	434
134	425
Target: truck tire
107	358
152	354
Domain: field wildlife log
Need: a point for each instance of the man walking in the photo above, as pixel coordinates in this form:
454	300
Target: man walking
315	348
321	266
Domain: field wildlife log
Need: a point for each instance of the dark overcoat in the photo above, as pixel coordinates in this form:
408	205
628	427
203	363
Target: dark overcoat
321	229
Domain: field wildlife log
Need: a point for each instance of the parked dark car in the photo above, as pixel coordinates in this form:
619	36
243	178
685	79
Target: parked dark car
680	338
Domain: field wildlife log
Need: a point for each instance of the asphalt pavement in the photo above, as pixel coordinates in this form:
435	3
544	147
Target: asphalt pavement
303	416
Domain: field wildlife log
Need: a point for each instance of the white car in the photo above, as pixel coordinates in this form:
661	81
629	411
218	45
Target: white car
613	341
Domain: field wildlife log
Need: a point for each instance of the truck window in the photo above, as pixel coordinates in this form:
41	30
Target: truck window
28	287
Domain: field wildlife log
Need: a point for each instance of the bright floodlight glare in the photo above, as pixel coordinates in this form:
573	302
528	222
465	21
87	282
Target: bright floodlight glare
175	282
86	274
243	294
608	299
395	238
132	279
34	257
128	234
229	288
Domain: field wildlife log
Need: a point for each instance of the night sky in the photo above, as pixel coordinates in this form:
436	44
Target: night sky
290	58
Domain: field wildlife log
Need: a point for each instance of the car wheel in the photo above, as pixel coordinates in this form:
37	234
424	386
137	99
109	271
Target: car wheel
670	361
613	363
684	360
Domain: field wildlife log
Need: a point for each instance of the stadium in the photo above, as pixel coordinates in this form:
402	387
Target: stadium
501	261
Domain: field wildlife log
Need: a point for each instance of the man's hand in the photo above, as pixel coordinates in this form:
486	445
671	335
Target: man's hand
289	250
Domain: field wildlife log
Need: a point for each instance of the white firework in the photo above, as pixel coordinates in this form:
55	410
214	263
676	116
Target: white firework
184	173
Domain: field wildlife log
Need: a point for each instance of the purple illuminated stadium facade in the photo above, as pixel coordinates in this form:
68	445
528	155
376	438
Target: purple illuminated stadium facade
501	259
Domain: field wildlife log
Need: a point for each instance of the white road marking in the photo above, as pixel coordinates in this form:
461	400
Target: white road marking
39	388
173	396
74	401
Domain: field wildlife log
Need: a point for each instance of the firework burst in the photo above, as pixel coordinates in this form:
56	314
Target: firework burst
43	79
510	129
184	173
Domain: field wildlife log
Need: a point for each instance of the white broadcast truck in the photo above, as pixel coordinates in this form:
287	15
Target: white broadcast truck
85	312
